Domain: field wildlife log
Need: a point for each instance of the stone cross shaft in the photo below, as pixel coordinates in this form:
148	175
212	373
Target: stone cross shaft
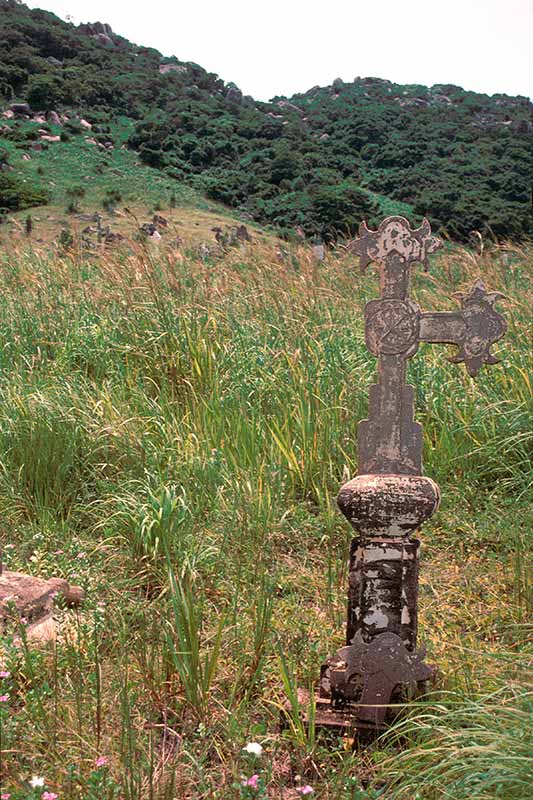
390	498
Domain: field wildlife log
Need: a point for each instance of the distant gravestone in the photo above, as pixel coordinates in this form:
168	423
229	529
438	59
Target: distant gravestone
319	252
53	118
390	498
242	233
159	221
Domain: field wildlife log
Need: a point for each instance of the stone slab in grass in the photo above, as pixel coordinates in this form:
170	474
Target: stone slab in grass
29	598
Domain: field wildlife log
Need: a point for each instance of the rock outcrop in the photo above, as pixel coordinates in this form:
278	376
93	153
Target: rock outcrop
164	69
30	601
100	31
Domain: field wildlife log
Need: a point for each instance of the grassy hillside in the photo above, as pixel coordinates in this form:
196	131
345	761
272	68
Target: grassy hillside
319	160
78	164
82	179
172	437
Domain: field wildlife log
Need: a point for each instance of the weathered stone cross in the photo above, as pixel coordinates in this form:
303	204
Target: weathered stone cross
390	499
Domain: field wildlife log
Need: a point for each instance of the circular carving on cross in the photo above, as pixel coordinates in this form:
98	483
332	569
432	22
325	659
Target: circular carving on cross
392	327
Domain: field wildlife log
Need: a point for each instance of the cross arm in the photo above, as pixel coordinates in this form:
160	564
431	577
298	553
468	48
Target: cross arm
474	328
442	327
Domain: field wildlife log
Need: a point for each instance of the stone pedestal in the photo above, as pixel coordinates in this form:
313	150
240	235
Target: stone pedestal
383	584
380	662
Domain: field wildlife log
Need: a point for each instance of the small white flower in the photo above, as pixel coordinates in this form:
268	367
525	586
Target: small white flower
36	782
254	748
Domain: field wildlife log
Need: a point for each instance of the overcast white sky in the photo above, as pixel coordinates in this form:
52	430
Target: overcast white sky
286	46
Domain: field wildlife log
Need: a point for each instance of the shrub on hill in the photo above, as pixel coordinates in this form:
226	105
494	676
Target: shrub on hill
15	195
44	92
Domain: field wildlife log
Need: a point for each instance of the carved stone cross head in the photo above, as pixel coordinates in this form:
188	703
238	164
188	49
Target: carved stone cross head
396	328
395	235
390	440
394	247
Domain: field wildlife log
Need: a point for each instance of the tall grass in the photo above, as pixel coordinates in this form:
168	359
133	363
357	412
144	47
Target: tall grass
173	433
464	748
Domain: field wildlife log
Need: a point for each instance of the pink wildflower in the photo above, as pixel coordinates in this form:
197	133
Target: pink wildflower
252	782
5	796
23	621
49	796
4	698
305	789
101	761
4	674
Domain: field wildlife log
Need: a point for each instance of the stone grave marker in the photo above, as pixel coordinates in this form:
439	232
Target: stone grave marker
390	498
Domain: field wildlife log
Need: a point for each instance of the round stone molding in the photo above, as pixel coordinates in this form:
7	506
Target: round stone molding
392	327
388	505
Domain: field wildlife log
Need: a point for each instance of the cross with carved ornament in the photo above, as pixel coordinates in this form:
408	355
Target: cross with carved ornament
390	441
390	498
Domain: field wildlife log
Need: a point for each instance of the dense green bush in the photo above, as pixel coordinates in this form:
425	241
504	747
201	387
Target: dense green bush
16	195
44	91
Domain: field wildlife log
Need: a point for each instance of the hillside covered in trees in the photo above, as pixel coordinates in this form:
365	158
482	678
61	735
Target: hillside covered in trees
319	160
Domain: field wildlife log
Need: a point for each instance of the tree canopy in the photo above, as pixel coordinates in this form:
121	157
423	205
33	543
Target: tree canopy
321	160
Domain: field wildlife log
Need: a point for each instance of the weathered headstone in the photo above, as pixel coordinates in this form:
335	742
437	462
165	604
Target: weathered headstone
390	498
319	252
